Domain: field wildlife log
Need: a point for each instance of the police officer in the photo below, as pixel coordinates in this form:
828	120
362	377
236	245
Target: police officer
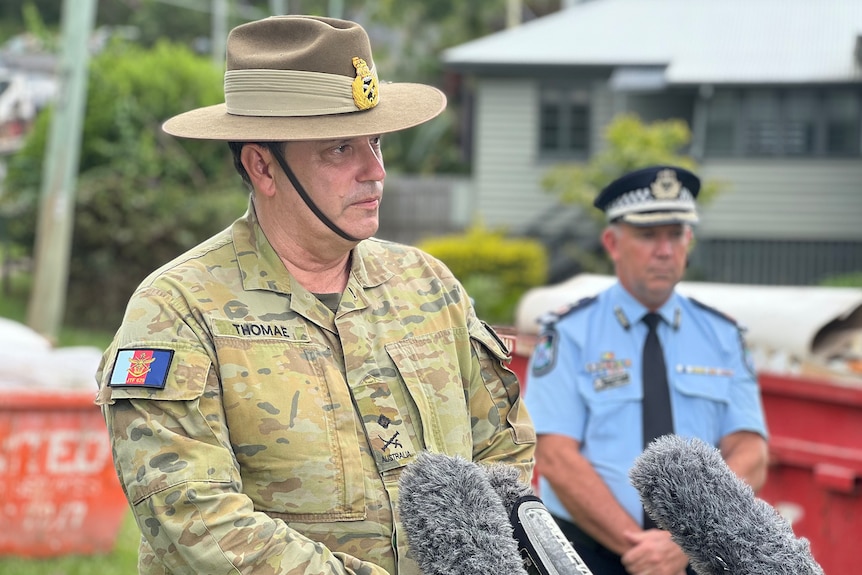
266	389
637	361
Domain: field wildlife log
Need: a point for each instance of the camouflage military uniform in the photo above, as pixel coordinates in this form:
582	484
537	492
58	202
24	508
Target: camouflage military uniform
277	439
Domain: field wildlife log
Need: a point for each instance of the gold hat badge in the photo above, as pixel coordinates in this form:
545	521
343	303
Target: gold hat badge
364	85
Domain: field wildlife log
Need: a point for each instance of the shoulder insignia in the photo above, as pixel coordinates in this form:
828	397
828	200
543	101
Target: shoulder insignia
560	313
545	352
141	368
714	311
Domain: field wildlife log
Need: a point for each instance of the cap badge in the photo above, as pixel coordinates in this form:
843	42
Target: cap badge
666	185
365	93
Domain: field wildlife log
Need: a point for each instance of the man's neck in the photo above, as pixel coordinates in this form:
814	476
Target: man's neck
320	265
320	278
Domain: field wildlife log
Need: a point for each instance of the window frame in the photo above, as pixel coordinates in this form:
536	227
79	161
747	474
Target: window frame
573	103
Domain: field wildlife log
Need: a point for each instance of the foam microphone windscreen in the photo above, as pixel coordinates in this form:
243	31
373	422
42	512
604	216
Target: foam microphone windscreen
454	521
715	517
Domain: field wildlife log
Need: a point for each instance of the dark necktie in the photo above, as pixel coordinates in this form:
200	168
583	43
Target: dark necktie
657	418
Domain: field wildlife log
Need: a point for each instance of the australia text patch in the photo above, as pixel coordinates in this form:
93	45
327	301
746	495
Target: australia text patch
141	368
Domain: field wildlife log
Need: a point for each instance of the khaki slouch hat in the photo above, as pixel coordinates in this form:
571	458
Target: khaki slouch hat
305	78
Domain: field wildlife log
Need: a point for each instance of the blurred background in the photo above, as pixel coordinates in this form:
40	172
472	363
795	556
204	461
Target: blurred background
549	100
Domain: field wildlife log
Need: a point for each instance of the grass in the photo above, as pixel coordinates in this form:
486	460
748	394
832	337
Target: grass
123	559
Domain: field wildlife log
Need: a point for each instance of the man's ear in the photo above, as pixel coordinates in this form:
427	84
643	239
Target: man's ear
258	163
609	241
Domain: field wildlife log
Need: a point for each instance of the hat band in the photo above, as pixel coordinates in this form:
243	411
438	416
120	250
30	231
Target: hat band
659	218
286	93
642	200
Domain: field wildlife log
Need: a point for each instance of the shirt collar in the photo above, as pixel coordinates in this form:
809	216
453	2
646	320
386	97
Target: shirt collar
632	310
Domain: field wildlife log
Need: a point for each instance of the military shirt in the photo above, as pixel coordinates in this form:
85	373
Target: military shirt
254	430
584	382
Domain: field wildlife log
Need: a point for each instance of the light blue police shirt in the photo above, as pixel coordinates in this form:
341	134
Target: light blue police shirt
584	382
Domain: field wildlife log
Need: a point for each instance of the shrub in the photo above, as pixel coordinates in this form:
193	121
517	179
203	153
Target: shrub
495	270
853	279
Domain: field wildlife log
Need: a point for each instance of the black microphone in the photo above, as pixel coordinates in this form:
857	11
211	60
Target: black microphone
688	489
543	546
454	521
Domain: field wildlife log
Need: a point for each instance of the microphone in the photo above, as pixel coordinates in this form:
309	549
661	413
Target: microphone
714	516
542	544
454	521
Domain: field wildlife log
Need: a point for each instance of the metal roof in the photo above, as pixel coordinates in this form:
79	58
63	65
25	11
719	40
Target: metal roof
698	41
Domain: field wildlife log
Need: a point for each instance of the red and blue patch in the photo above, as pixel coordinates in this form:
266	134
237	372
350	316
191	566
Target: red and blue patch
141	368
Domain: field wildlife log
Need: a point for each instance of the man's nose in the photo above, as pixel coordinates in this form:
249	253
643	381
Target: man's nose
372	163
664	246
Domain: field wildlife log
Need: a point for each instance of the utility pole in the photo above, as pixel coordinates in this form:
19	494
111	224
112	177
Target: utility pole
513	13
60	171
218	34
335	9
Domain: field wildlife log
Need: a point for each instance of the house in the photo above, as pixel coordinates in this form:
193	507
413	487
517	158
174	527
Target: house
28	83
771	89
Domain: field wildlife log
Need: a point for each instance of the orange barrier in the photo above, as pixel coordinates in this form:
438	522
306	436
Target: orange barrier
59	493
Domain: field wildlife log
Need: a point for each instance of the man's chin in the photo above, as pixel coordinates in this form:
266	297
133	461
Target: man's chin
363	232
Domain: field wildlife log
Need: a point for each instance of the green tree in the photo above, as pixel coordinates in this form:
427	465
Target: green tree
631	144
143	197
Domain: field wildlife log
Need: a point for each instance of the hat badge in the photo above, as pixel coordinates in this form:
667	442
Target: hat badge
666	185
364	85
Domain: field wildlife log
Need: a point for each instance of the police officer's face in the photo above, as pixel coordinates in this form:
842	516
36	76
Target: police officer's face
649	261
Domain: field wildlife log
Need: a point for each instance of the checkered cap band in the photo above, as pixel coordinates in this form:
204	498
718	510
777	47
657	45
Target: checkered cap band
642	202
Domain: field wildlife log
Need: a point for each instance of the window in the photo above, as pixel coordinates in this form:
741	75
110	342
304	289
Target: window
784	123
564	121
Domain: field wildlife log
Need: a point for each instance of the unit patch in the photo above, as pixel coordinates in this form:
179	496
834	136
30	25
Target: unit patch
545	352
141	368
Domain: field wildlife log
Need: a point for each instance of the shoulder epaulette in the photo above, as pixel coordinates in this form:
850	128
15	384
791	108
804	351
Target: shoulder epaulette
557	315
714	311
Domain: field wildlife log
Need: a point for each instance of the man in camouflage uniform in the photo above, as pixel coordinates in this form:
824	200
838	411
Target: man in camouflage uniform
267	388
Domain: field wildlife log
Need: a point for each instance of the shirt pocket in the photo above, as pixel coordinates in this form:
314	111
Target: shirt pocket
292	428
702	405
610	408
430	366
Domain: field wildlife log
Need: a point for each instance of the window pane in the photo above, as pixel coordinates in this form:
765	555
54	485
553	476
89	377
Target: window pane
579	129
799	124
842	123
549	120
763	126
579	133
721	124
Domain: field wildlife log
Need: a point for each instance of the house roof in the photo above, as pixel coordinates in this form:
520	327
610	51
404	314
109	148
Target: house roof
695	41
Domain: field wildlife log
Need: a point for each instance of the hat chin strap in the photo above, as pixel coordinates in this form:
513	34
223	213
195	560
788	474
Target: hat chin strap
279	157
